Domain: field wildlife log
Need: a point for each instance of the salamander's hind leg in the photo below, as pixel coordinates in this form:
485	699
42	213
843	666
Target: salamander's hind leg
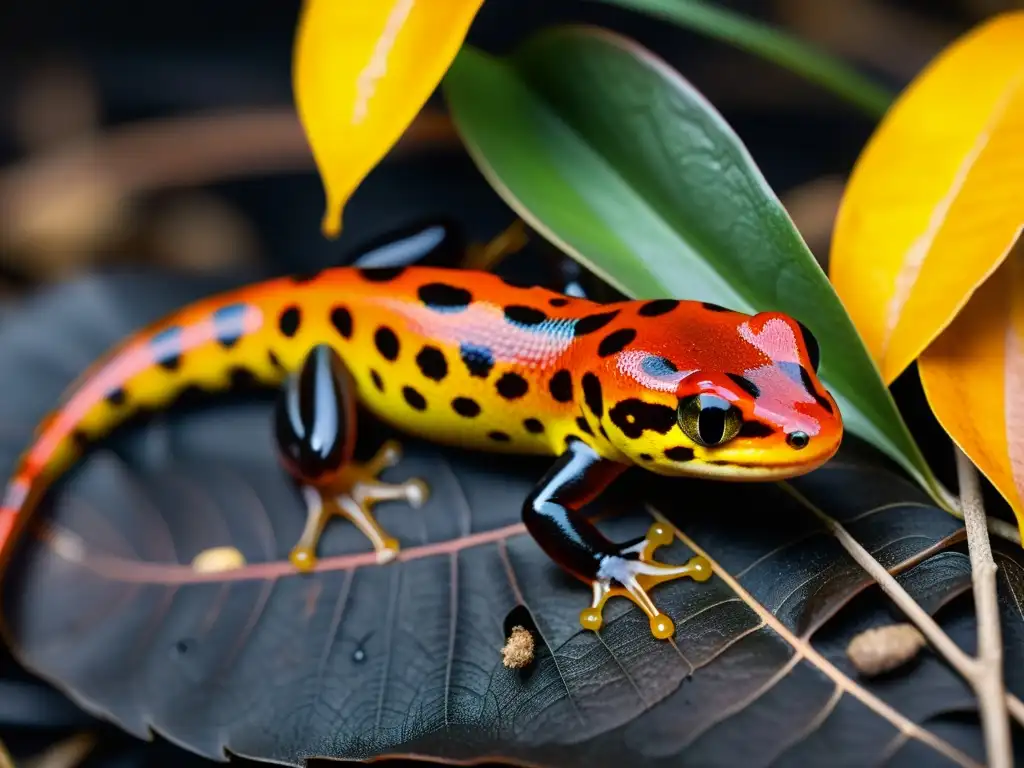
553	517
316	429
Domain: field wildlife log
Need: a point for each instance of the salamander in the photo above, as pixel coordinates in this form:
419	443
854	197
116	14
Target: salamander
465	358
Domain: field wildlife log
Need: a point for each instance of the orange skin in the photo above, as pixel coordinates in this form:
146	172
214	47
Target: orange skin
462	358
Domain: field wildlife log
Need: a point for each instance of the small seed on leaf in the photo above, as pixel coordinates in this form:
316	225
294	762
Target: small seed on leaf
518	650
218	559
883	649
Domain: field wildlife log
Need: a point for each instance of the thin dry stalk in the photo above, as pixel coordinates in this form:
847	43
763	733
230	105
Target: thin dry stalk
966	665
987	679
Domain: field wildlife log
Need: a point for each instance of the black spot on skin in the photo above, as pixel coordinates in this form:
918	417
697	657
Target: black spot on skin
227	341
431	363
745	384
592	323
584	427
805	377
387	343
275	360
524	315
558	301
755	429
616	341
679	453
498	436
561	386
465	406
634	416
305	277
646	457
171	363
512	386
813	351
290	320
714	307
341	319
534	426
380	274
378	382
517	281
657	307
592	393
228	324
414	398
444	296
116	396
242	378
600	428
80	439
190	396
478	360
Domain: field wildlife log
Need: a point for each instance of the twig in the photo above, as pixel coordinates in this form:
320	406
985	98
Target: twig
6	761
988	667
996	527
966	665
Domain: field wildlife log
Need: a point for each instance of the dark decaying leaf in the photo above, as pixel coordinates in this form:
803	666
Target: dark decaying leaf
360	660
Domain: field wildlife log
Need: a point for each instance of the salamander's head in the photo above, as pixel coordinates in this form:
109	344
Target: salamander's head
710	392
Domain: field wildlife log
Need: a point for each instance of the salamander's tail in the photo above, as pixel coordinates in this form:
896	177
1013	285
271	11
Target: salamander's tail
210	345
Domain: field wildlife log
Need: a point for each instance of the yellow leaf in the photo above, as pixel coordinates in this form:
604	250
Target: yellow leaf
936	200
362	70
973	377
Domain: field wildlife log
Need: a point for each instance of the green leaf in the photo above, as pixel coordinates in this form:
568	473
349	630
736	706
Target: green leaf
772	44
619	161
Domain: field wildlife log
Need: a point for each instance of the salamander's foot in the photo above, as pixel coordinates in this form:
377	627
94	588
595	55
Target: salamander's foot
353	494
624	575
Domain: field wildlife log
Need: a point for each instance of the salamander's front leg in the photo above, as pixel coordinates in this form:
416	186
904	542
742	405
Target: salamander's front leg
316	430
553	516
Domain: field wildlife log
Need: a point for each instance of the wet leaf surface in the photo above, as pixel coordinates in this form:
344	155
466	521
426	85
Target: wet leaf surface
359	660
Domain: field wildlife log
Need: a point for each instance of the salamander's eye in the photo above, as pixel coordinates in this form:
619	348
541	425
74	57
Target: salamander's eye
708	419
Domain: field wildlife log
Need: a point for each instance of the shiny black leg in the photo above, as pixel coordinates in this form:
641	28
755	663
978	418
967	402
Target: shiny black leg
552	512
315	424
553	516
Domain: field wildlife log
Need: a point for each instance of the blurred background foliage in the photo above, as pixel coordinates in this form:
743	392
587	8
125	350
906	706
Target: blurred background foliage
163	136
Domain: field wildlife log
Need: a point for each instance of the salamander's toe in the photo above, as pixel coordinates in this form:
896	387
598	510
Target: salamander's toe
416	492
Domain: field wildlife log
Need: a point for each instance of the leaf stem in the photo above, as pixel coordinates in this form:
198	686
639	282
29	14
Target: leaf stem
988	667
968	667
